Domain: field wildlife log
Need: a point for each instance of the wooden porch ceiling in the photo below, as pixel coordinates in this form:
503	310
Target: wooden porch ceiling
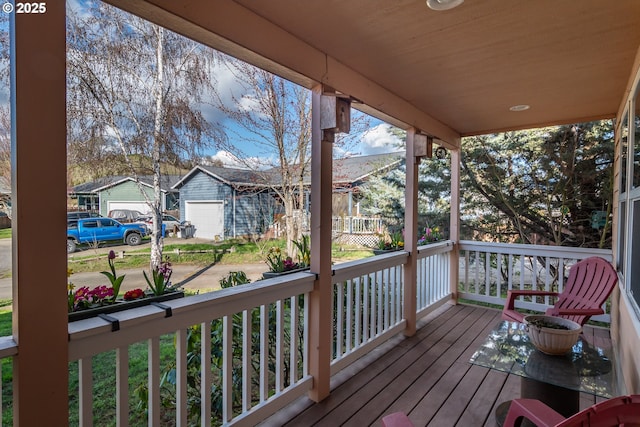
449	73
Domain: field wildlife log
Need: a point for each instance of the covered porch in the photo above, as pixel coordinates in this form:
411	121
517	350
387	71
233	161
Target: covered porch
421	70
427	376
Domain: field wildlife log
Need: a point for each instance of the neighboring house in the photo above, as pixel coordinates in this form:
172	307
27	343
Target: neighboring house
351	172
122	192
226	202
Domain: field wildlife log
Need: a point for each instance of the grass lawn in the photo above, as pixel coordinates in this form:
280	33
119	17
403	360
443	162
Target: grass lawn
103	366
5	233
200	254
7	369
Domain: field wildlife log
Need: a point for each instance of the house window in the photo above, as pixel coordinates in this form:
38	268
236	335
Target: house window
629	204
634	279
624	155
622	237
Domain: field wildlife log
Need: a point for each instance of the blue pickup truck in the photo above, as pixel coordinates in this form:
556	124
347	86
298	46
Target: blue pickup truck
97	230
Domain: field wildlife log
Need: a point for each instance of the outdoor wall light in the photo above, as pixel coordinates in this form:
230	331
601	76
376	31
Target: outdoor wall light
443	4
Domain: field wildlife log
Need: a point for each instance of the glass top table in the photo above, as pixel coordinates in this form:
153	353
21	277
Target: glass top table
589	367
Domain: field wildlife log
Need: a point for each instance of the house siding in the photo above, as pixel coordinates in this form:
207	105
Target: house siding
127	191
625	315
253	211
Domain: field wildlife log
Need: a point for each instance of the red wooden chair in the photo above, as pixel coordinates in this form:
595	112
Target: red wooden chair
618	411
590	283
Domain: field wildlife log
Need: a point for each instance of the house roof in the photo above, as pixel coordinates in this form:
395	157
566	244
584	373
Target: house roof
230	176
352	170
346	171
166	183
447	73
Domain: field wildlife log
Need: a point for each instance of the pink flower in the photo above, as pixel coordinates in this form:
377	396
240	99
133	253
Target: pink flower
85	297
289	264
133	294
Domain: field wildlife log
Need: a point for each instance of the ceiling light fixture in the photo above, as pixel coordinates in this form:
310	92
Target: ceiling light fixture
521	107
443	4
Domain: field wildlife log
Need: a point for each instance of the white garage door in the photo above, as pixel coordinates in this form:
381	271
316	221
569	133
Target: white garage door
207	217
135	206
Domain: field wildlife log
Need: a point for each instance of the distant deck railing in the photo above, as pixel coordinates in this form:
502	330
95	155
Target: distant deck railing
356	225
489	270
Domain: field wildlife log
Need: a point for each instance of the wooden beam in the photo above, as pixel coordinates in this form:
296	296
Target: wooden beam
454	224
39	183
320	300
411	233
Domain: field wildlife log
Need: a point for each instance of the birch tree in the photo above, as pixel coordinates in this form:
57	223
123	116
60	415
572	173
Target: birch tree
269	131
273	117
139	89
5	117
5	160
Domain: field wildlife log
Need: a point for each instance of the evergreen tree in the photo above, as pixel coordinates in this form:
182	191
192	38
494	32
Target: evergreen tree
545	186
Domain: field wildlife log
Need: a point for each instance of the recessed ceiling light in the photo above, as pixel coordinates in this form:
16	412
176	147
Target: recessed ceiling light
443	4
520	107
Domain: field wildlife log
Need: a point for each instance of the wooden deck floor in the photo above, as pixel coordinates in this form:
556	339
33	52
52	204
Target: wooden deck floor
428	376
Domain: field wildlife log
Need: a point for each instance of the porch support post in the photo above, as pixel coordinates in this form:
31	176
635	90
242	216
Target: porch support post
454	225
411	233
320	301
39	181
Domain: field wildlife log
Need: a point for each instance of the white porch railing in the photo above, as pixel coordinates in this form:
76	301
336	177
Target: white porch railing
489	270
368	298
261	363
433	276
263	359
367	305
260	367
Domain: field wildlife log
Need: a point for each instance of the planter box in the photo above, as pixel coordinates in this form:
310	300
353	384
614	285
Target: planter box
384	251
121	305
271	274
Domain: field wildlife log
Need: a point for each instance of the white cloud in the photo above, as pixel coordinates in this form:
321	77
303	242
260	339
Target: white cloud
227	85
230	160
379	140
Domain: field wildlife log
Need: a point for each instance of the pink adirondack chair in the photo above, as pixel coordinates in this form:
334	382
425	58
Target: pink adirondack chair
618	411
590	283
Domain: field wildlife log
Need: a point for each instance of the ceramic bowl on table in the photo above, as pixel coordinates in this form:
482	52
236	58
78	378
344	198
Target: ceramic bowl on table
552	335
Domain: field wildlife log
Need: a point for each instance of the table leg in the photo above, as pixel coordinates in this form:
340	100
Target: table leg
560	399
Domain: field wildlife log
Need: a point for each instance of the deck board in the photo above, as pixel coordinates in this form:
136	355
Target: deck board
479	409
422	376
427	376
